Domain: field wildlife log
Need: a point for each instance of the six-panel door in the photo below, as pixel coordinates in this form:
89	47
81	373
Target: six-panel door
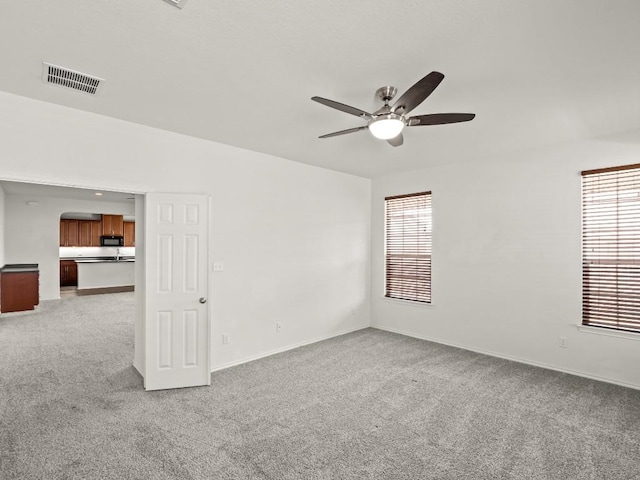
176	312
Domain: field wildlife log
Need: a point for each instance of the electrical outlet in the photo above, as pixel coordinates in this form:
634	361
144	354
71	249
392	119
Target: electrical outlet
278	326
562	341
218	266
225	338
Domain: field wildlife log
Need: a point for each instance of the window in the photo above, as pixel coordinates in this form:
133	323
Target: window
611	248
408	247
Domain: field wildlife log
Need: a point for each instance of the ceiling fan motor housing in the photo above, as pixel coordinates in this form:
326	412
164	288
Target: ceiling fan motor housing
386	93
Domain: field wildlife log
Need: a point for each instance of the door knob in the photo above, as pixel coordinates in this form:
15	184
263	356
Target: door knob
203	300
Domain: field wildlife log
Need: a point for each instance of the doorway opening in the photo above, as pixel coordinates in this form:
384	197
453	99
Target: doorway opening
44	224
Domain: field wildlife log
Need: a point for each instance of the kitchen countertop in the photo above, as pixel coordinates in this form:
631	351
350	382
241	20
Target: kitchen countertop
19	267
100	259
122	260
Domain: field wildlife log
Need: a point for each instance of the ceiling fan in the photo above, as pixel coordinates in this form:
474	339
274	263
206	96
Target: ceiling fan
388	122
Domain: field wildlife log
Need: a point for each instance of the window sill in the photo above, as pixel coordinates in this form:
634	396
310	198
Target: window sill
609	333
408	303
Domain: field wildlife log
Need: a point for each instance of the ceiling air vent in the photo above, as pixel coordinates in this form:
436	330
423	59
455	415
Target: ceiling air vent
177	3
70	78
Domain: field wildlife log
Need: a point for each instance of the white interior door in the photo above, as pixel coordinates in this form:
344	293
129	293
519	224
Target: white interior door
177	329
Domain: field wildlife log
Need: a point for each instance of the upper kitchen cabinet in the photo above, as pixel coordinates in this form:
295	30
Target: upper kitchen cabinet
89	232
69	233
84	233
96	232
129	234
112	225
80	233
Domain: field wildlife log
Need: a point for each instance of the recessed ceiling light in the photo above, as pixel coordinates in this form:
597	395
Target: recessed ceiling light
98	194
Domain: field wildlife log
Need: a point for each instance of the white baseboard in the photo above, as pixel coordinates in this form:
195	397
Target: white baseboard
284	349
508	357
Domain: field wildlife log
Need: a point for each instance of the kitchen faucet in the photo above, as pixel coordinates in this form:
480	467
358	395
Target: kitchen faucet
117	254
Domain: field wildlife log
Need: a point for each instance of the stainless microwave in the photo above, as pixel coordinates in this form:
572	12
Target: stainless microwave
112	240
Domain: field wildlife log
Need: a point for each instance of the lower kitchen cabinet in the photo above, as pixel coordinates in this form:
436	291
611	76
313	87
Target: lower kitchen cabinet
68	273
19	287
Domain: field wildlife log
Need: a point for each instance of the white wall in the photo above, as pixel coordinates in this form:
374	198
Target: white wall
507	260
294	239
32	233
2	229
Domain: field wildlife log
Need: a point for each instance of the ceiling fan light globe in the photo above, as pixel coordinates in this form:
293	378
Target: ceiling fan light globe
386	127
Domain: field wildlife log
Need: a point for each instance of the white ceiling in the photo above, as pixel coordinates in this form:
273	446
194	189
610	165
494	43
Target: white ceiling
39	192
241	72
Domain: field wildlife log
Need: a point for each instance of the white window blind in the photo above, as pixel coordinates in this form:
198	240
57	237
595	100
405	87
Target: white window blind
408	228
611	248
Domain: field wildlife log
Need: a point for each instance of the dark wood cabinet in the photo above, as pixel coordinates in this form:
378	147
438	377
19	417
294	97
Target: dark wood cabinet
69	233
63	233
96	232
89	233
112	225
19	290
68	273
80	233
129	234
84	233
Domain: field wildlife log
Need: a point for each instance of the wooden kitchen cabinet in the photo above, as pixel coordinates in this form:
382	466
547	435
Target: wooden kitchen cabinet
112	225
84	233
69	233
96	232
80	233
129	234
90	231
19	287
68	273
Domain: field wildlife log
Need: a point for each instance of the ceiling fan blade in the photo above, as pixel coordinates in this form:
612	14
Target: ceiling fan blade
396	141
416	94
343	132
342	107
440	118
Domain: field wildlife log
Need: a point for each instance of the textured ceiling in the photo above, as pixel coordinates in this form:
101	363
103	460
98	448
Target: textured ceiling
536	72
